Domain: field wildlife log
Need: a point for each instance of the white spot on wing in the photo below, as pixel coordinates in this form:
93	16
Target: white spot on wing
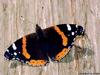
15	53
76	26
14	46
7	50
68	27
73	33
17	58
11	54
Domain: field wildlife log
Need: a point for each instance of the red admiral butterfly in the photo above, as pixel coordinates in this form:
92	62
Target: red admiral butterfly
53	42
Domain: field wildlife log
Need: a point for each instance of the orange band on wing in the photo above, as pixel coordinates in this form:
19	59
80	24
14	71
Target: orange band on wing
37	62
62	54
24	50
64	38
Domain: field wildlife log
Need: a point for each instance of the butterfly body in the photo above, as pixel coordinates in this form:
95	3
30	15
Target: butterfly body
53	42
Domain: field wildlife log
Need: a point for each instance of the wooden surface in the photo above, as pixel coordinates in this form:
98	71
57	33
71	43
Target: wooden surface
19	17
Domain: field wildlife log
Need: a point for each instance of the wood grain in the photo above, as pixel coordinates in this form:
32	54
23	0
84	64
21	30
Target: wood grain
19	17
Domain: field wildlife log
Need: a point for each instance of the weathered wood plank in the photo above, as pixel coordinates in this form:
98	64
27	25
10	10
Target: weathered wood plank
18	17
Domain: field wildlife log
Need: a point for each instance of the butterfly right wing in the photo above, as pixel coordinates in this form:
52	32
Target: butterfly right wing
60	39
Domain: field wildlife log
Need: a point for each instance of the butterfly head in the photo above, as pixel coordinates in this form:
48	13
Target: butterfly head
80	30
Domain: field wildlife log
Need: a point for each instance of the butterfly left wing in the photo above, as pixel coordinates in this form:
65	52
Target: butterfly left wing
29	50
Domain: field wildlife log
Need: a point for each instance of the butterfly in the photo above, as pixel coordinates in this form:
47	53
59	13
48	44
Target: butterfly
51	43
